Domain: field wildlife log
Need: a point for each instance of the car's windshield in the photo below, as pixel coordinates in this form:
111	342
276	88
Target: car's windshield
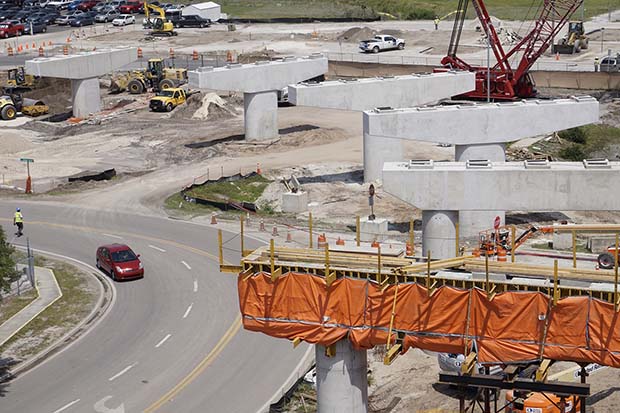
123	256
167	93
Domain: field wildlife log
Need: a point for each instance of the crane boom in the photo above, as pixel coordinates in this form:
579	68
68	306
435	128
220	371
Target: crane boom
508	83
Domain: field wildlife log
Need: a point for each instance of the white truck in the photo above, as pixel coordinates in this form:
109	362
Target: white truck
382	42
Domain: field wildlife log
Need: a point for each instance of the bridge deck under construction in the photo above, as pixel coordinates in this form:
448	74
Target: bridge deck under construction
322	296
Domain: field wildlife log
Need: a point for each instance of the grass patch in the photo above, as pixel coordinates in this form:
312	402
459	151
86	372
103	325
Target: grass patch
590	141
406	10
75	304
247	189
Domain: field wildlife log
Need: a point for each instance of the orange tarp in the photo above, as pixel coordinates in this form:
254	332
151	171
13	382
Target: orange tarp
514	326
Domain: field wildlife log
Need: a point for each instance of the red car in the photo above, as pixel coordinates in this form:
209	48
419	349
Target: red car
88	5
8	29
119	261
131	7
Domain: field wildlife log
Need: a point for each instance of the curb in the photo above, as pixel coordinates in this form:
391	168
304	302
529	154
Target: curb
105	302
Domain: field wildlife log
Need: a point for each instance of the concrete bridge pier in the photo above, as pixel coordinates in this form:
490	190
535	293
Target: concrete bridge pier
85	96
341	380
439	233
261	115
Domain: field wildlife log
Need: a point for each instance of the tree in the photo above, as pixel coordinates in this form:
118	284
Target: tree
8	273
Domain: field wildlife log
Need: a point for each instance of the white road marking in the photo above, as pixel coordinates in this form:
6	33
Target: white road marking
186	265
66	406
120	373
195	285
100	406
188	310
157	248
163	340
112	236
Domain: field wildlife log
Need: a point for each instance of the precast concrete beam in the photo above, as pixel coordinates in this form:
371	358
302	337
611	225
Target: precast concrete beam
259	76
396	92
482	123
84	65
504	186
342	379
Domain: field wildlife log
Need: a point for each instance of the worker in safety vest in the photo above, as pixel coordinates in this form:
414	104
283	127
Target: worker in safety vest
436	21
18	220
596	64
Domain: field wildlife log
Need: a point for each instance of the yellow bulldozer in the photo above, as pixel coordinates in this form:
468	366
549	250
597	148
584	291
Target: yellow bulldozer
574	41
155	77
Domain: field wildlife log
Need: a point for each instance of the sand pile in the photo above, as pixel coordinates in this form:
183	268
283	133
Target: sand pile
356	34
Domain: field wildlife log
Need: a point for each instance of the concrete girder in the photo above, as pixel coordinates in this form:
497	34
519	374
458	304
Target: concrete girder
259	76
259	83
396	92
482	123
83	69
504	186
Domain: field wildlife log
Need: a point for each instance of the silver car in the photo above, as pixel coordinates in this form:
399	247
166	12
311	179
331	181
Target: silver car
107	16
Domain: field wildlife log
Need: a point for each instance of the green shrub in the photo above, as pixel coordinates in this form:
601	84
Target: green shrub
576	135
573	152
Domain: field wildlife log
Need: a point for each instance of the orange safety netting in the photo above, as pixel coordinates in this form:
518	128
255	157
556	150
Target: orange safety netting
513	327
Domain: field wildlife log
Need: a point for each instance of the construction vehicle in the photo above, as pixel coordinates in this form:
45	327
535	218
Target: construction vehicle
18	79
525	402
493	240
508	73
160	25
10	104
607	260
155	77
167	100
574	41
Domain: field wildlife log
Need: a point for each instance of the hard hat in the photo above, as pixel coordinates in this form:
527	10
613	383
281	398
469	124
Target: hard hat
18	209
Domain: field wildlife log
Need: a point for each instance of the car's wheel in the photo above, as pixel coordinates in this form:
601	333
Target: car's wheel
113	275
606	261
135	87
176	25
169	107
375	49
44	30
8	112
401	46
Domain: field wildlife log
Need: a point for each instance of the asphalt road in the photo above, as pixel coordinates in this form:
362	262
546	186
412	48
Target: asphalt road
172	342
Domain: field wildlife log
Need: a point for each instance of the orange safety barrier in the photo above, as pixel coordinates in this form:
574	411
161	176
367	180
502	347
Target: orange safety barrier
41	52
321	241
49	43
27	47
9	51
501	254
195	55
65	50
20	48
34	46
515	326
409	250
139	53
339	241
229	57
375	244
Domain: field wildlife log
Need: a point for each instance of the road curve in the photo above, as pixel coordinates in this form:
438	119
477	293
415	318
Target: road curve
172	342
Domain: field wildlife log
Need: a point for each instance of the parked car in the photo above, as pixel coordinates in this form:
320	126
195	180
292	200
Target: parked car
88	5
49	18
131	7
610	63
154	3
119	261
64	20
82	20
59	4
101	6
107	16
123	20
117	4
381	42
191	21
37	26
74	5
8	29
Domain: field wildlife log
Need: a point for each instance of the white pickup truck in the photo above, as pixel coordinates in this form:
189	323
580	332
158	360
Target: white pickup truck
382	42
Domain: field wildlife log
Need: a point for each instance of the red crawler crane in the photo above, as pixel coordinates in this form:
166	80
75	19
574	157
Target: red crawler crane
507	83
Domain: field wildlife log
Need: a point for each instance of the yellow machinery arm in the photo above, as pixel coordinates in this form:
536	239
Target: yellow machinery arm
147	6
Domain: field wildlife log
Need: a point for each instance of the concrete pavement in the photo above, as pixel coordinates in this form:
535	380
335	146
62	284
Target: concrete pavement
48	292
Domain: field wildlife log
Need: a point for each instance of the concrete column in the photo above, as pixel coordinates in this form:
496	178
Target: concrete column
261	115
378	150
472	222
86	97
439	233
341	380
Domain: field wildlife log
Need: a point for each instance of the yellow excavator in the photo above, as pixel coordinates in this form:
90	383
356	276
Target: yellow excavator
11	96
155	76
160	25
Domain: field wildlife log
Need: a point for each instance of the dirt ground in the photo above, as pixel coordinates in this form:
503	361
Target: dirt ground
156	154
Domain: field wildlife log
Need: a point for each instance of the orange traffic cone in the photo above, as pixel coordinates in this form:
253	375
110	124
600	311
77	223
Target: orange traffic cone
289	238
274	233
409	249
258	171
375	244
339	241
321	241
557	56
262	226
213	220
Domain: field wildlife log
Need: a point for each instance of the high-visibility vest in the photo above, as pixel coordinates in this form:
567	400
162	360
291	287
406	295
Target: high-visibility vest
19	217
